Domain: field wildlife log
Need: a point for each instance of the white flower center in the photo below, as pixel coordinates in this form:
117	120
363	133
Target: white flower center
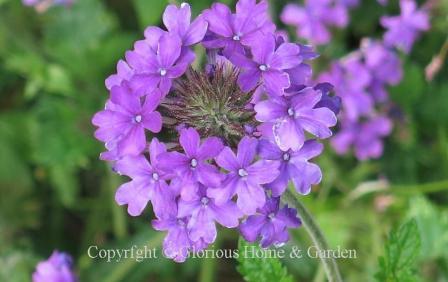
205	201
193	163
291	112
286	157
162	72
155	176
242	172
236	38
271	215
138	118
263	67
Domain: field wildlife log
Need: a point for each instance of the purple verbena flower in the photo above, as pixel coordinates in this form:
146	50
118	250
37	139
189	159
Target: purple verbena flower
267	65
177	243
156	69
59	267
245	178
204	212
125	119
271	224
403	30
291	116
294	166
313	19
254	85
177	20
365	137
232	32
192	167
149	182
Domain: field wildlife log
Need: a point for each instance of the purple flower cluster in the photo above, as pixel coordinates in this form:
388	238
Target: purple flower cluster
58	267
361	80
315	17
234	134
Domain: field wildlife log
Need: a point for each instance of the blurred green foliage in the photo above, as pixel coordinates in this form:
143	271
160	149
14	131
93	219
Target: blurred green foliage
56	194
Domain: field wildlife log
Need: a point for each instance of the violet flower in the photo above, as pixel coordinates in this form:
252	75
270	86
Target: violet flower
58	267
245	177
268	65
192	167
271	224
125	119
254	85
403	30
293	115
177	20
365	137
149	182
204	211
158	69
294	166
314	18
231	32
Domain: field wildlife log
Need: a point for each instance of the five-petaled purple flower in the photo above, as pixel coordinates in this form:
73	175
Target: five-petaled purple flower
204	211
245	178
268	65
192	167
271	223
315	17
149	182
58	267
365	137
125	118
404	29
292	115
232	32
294	166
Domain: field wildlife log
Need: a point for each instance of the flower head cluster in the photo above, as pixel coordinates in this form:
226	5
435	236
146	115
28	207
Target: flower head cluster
315	17
43	5
361	80
58	267
234	132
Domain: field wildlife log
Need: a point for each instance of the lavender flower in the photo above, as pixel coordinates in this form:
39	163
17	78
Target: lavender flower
204	211
192	167
293	115
125	119
245	177
59	267
177	20
293	165
158	69
231	32
270	223
177	243
404	29
254	86
268	65
313	19
149	182
365	137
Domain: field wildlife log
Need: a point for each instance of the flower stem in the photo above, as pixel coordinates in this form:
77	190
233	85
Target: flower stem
330	266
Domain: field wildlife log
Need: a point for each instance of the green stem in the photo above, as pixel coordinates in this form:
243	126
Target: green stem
329	264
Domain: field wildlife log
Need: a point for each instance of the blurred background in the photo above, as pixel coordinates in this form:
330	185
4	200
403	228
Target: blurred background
56	194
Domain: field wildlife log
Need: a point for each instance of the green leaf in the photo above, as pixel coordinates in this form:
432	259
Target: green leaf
261	269
401	251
